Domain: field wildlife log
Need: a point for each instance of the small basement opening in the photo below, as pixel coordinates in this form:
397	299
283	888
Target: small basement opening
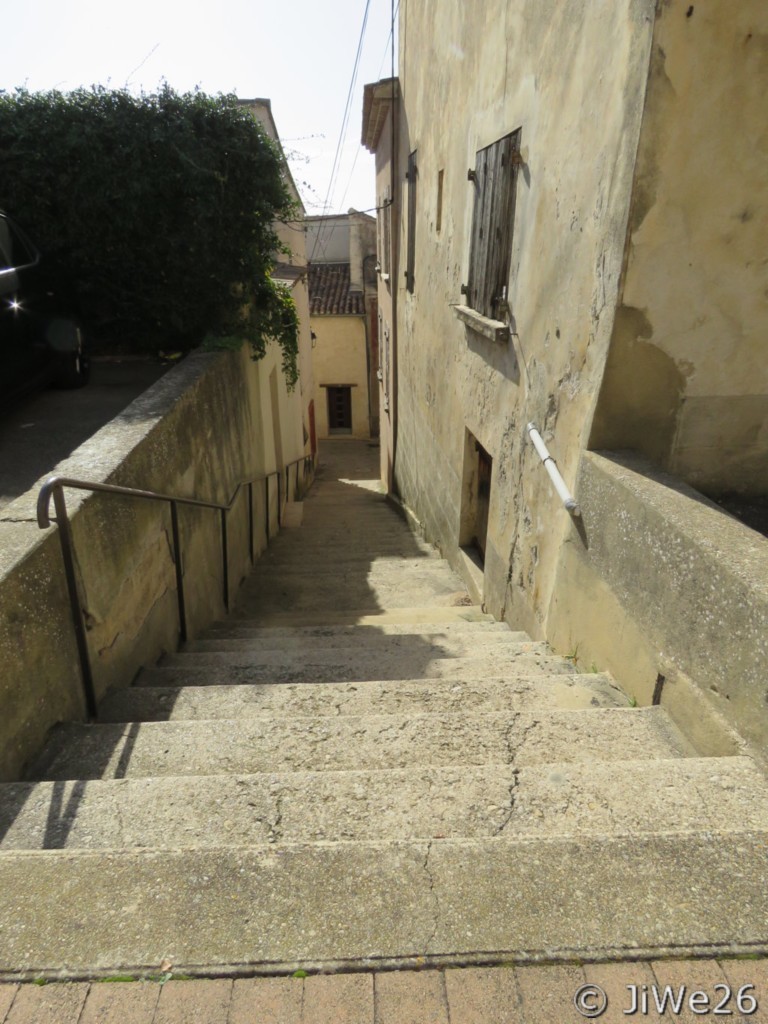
475	498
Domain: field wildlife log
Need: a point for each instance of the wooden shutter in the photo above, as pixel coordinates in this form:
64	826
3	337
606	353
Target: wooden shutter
411	239
495	179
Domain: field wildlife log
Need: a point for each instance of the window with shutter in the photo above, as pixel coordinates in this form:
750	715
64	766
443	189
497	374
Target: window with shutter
411	236
495	183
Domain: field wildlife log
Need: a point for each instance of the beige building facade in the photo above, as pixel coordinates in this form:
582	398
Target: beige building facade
293	411
343	301
575	206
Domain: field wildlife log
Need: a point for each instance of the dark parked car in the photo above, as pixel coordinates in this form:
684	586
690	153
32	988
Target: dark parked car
41	341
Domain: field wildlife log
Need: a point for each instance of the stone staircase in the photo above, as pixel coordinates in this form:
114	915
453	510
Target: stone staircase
360	768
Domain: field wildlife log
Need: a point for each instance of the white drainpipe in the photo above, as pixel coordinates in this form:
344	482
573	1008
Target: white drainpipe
554	473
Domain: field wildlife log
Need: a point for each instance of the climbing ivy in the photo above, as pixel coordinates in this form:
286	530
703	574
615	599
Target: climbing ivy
159	210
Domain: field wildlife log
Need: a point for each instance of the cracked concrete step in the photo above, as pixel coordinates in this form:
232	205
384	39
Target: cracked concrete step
316	593
368	640
352	565
370	541
462	611
365	521
548	801
343	557
293	597
246	746
402	574
349	665
411	696
352	635
346	904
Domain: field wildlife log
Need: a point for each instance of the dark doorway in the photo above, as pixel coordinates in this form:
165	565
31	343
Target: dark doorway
340	410
484	470
475	499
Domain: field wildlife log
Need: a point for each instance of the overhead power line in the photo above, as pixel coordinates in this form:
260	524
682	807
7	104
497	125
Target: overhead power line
344	124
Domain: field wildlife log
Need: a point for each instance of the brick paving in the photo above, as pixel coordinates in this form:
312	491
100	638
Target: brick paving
473	995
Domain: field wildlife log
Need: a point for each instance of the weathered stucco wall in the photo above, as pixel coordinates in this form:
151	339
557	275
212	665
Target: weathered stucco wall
687	378
657	581
204	427
572	78
339	358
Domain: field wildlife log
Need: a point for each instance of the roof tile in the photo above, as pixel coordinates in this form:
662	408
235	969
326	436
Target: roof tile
329	293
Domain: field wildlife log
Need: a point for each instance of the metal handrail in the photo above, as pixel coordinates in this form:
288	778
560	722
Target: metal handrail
53	490
559	484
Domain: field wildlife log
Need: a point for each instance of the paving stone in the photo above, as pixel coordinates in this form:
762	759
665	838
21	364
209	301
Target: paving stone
341	998
48	1004
745	972
266	1001
546	994
121	1003
7	995
615	980
682	979
411	997
483	995
194	1002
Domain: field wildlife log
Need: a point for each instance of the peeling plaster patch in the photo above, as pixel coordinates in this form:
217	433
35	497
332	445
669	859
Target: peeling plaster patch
641	394
660	96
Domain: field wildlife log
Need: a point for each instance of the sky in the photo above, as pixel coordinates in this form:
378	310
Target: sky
300	54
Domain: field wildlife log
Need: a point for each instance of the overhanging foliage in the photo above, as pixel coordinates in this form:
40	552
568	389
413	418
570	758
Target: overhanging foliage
160	207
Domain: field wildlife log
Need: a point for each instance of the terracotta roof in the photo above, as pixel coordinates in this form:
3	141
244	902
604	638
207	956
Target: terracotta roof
329	293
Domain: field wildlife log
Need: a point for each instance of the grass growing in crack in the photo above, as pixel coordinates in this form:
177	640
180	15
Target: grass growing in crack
573	656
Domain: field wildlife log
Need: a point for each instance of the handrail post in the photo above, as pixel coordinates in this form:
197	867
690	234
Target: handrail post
78	620
250	522
225	558
558	483
266	505
279	496
179	572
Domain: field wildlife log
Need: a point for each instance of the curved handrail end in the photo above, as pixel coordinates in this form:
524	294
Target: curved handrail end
44	502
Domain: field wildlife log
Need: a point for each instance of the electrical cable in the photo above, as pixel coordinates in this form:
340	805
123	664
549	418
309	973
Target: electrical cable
344	124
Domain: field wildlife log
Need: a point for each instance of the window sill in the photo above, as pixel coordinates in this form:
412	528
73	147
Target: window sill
494	330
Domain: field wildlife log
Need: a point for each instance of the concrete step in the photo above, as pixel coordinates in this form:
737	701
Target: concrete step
351	665
461	612
628	798
267	594
337	905
346	635
246	746
368	640
400	572
411	696
342	556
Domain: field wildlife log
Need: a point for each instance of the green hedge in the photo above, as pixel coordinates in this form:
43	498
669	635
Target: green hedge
160	207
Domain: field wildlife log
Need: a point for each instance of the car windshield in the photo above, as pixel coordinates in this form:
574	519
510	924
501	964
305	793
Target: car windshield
14	251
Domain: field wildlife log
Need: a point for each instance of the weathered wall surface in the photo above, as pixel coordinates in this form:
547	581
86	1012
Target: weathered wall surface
380	134
572	78
200	430
658	581
687	378
339	358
